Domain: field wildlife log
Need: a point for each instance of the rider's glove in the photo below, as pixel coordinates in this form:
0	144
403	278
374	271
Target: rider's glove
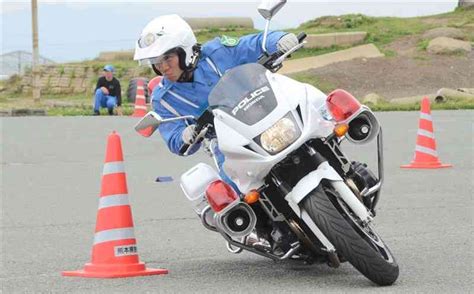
189	134
287	42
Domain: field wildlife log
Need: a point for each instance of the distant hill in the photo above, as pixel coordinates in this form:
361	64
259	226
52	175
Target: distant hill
17	61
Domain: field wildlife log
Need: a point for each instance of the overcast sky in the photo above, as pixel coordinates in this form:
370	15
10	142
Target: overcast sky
77	30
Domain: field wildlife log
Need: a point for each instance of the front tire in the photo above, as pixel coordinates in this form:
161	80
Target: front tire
361	246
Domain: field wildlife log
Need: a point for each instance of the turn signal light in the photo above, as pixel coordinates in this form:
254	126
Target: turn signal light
252	197
219	195
341	129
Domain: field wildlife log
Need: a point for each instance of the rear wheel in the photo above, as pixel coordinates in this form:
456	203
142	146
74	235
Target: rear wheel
359	244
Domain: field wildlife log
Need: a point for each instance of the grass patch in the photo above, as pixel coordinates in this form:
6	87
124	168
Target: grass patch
450	105
79	105
380	30
348	21
317	82
422	45
421	57
389	53
459	18
383	30
84	110
309	52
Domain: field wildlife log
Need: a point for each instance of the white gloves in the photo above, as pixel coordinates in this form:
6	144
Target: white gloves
189	134
287	42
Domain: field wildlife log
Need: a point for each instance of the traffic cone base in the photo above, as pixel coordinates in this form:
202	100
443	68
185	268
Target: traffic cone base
114	251
426	165
114	271
426	156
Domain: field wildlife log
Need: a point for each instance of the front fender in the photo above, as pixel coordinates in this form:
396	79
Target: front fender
309	182
313	179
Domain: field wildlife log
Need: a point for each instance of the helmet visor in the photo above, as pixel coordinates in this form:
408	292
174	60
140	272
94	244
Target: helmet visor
148	61
157	61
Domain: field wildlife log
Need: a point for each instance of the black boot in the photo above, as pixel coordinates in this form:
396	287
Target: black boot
96	112
111	111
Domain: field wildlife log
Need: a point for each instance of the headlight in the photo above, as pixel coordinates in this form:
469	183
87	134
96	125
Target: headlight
280	135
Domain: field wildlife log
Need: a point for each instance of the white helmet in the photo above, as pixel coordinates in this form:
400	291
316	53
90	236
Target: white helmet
163	34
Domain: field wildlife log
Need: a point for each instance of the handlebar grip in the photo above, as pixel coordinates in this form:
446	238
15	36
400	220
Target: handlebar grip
183	148
301	36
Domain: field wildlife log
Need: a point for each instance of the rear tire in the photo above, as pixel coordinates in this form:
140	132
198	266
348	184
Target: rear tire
362	247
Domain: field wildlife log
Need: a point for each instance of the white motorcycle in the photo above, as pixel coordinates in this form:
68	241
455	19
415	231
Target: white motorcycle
300	197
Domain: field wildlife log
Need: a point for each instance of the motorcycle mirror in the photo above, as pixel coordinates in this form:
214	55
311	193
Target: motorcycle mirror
152	120
268	8
148	124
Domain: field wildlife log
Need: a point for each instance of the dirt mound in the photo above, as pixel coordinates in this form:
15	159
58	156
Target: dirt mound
444	32
400	76
443	45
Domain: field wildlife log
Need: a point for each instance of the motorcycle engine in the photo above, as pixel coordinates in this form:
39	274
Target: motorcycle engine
363	178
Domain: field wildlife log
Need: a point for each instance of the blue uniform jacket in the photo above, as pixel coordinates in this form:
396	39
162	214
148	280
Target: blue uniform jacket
173	99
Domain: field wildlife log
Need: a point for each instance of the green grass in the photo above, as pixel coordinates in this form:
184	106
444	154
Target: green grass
121	68
321	84
308	52
79	105
389	53
459	18
381	31
455	105
422	45
84	110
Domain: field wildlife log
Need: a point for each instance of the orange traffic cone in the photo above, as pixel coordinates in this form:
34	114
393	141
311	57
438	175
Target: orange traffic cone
140	101
425	150
114	253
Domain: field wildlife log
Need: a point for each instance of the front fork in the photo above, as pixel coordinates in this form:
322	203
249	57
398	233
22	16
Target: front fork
374	191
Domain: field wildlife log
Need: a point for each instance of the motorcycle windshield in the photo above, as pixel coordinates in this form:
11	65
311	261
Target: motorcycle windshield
244	92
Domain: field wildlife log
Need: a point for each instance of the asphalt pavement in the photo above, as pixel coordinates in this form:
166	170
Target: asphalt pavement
50	182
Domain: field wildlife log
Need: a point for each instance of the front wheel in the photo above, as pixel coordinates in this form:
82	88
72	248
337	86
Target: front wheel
358	244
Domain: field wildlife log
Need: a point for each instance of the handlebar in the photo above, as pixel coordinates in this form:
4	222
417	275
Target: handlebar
183	149
203	122
301	36
270	61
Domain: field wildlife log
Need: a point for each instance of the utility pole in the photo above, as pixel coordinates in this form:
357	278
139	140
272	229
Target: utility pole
19	62
35	67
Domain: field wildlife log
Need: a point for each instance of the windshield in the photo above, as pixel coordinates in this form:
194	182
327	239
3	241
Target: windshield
245	93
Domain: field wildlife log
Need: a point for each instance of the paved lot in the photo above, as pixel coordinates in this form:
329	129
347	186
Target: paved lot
50	181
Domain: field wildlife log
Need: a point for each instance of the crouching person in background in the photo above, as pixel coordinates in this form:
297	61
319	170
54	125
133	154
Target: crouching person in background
108	93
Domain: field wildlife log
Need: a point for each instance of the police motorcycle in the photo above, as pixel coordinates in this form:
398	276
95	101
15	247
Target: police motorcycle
300	197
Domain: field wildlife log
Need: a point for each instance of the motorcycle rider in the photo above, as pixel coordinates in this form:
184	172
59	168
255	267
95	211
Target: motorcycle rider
190	72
